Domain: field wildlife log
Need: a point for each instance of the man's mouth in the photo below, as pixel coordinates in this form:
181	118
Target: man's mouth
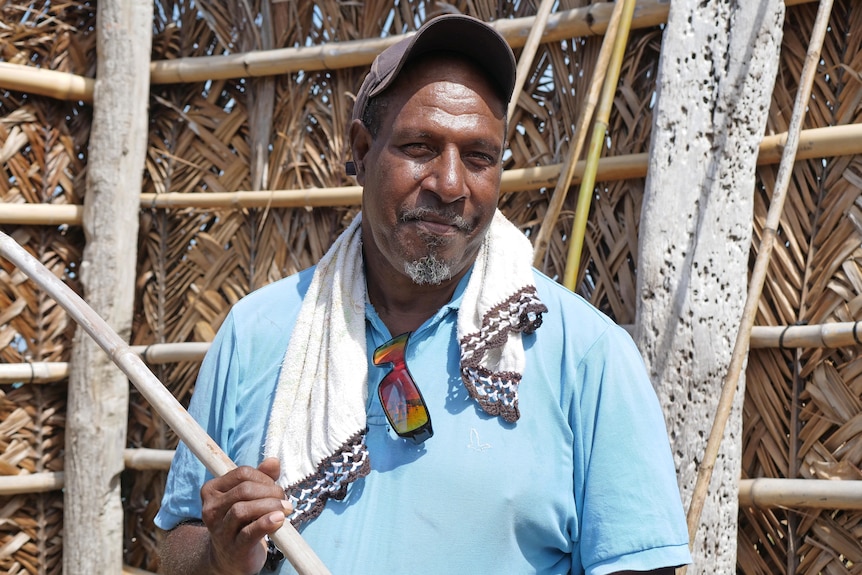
435	222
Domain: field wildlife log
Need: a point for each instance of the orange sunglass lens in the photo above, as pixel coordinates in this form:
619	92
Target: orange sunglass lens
402	401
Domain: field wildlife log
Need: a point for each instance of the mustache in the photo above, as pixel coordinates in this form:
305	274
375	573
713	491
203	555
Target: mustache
443	216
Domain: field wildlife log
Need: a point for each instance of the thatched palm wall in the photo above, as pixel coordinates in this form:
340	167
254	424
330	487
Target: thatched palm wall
288	133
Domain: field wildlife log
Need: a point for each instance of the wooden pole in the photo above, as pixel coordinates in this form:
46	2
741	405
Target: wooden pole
97	404
205	449
609	89
758	277
529	53
555	205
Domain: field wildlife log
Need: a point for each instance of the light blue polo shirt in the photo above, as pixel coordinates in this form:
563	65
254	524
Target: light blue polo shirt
583	482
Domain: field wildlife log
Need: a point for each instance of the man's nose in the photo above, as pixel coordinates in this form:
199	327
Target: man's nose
447	179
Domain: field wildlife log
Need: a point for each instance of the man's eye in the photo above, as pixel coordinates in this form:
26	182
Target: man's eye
416	148
482	159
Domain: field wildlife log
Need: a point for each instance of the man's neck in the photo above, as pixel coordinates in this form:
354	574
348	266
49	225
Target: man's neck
403	305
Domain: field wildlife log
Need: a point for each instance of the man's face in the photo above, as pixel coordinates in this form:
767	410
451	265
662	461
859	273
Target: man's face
432	174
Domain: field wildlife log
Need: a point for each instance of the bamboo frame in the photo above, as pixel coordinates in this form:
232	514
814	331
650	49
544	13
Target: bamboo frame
31	483
205	449
758	276
567	171
51	83
762	493
814	143
145	458
765	493
573	23
139	459
828	335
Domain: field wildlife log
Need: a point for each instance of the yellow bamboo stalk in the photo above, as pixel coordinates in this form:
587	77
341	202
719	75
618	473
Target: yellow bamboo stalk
582	210
758	276
567	172
529	53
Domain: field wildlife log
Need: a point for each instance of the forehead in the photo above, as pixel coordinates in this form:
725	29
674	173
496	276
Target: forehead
446	67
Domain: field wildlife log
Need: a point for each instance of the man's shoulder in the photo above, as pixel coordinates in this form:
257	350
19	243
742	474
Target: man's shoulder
280	292
275	304
562	301
573	318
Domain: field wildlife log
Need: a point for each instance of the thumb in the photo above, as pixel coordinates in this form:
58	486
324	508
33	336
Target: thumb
271	467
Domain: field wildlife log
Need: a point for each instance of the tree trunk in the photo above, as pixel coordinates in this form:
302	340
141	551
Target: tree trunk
98	392
717	70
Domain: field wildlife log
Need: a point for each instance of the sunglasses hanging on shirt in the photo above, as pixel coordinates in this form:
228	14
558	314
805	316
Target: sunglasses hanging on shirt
399	395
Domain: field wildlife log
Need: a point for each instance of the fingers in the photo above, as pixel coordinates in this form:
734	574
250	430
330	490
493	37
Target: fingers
239	508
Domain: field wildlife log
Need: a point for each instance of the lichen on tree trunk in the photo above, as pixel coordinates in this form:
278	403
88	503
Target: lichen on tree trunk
717	70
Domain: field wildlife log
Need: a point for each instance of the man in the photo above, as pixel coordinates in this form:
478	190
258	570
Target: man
508	427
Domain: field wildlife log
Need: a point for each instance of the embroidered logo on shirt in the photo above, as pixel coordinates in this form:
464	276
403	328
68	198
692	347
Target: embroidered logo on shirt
475	444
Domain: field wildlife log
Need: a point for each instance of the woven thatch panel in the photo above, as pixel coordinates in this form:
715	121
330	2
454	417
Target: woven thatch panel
803	408
42	158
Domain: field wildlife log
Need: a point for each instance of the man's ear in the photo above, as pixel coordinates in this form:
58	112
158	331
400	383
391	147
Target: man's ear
360	143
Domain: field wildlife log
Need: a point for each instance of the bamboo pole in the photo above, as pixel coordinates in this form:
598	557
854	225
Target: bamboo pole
826	142
574	23
145	458
765	493
44	82
831	141
528	54
762	493
41	214
567	171
31	483
207	451
758	276
828	335
34	372
157	353
600	126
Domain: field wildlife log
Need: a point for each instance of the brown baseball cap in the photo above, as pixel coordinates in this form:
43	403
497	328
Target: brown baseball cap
465	35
